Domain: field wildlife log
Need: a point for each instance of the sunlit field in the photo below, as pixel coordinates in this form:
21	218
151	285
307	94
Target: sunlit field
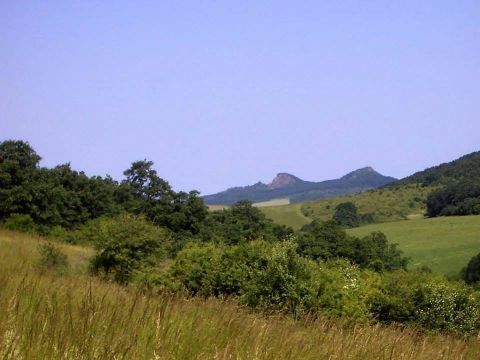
445	244
387	204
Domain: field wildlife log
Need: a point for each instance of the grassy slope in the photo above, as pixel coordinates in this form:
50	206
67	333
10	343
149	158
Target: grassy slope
388	204
445	244
273	202
290	215
71	316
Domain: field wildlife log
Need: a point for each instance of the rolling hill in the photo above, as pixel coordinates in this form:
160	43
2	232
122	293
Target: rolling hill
285	185
444	244
398	200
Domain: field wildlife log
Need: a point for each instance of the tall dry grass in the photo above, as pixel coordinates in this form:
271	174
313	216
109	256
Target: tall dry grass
51	316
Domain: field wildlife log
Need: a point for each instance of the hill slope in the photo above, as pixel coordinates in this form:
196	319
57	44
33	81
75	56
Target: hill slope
398	200
466	167
444	244
287	185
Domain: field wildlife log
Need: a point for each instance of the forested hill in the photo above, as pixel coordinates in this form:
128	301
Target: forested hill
286	185
466	167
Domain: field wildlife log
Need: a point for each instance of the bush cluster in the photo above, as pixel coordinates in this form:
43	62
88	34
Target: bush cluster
273	277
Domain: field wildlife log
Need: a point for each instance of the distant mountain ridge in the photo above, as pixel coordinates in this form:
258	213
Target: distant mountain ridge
296	189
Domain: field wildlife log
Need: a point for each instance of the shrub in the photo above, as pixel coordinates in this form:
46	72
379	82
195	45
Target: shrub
126	244
346	215
448	306
20	222
195	267
273	277
325	241
368	218
428	300
471	273
395	300
52	257
279	280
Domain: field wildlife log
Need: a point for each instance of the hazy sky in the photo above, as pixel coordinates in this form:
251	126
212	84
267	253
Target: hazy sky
229	93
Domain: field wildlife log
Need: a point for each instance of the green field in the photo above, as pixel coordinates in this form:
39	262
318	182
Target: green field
387	204
273	202
444	244
290	215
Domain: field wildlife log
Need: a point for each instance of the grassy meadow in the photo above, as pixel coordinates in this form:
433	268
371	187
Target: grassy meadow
290	215
445	244
387	204
50	315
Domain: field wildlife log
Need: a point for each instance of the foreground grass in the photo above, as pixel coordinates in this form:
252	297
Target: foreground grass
45	315
445	244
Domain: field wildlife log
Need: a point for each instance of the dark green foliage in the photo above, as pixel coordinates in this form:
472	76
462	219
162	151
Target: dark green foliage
64	197
324	240
18	162
346	215
374	252
58	196
459	198
126	244
52	257
144	192
20	222
368	218
471	273
465	168
243	222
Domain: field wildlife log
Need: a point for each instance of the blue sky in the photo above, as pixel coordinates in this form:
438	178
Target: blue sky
219	94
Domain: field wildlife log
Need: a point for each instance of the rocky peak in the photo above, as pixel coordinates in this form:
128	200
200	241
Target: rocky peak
283	180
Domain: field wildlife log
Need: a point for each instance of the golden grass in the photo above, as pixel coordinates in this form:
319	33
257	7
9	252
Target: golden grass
53	316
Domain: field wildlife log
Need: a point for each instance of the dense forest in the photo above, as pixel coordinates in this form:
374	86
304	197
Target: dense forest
466	167
146	234
456	198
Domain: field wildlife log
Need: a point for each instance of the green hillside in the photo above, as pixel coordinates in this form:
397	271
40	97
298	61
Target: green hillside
290	215
466	167
444	244
386	204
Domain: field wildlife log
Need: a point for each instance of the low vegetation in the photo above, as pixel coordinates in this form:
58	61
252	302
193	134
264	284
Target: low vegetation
72	316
